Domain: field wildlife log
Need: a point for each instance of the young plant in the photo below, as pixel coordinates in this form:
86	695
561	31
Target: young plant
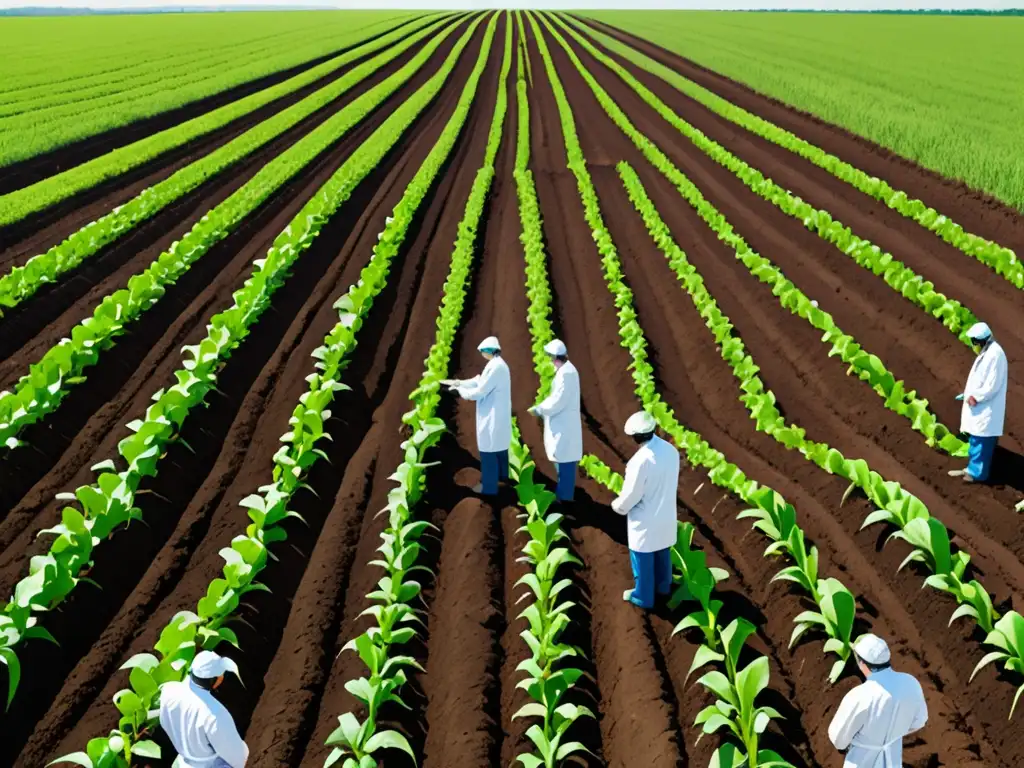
1008	636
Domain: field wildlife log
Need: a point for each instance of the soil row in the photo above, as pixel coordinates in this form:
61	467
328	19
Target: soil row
151	571
26	172
151	343
32	327
462	705
850	417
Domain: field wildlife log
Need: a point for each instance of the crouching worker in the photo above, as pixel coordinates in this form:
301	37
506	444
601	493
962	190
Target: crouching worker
563	431
200	727
648	500
874	717
492	391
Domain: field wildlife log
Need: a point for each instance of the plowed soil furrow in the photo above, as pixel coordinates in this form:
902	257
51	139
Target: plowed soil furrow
27	172
954	273
306	674
916	347
973	210
923	353
845	413
636	672
703	402
234	440
484	677
31	328
597	523
65	441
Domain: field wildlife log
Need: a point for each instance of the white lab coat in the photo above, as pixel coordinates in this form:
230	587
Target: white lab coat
987	383
200	728
648	497
874	717
563	432
492	391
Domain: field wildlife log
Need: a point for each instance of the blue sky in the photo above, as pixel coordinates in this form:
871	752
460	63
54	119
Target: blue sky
566	4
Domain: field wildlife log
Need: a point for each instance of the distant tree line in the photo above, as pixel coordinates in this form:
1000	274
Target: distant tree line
922	12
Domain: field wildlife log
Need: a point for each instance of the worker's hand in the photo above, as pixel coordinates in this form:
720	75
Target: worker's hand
971	401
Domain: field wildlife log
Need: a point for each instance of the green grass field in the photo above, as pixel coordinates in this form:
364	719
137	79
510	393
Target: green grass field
67	78
947	92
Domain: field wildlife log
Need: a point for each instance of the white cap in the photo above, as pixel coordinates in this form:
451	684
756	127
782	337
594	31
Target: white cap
640	423
208	665
872	650
979	332
556	347
491	342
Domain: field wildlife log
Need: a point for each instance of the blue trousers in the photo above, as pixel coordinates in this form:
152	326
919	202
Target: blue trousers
981	450
652	572
493	467
566	487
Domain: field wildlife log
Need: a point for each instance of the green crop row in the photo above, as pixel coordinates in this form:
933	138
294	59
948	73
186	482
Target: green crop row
68	96
897	275
928	537
546	684
524	48
42	390
538	286
354	742
1001	260
868	367
22	282
247	557
50	191
110	71
548	677
736	709
109	502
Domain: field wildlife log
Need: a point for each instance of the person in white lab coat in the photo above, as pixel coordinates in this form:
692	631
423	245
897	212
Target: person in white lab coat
492	391
200	727
984	409
648	500
874	717
563	431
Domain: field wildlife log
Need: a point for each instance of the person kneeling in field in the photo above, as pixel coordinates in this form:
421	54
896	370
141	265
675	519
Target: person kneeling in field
874	717
200	727
648	500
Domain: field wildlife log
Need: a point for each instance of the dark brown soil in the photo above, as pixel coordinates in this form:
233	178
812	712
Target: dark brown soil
636	672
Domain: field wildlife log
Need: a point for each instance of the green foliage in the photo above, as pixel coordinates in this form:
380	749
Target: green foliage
355	742
894	504
695	581
898	276
69	78
1003	260
1008	636
548	676
869	368
41	391
268	509
886	78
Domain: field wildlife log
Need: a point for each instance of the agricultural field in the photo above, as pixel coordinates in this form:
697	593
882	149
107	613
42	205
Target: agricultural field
943	91
222	424
66	80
